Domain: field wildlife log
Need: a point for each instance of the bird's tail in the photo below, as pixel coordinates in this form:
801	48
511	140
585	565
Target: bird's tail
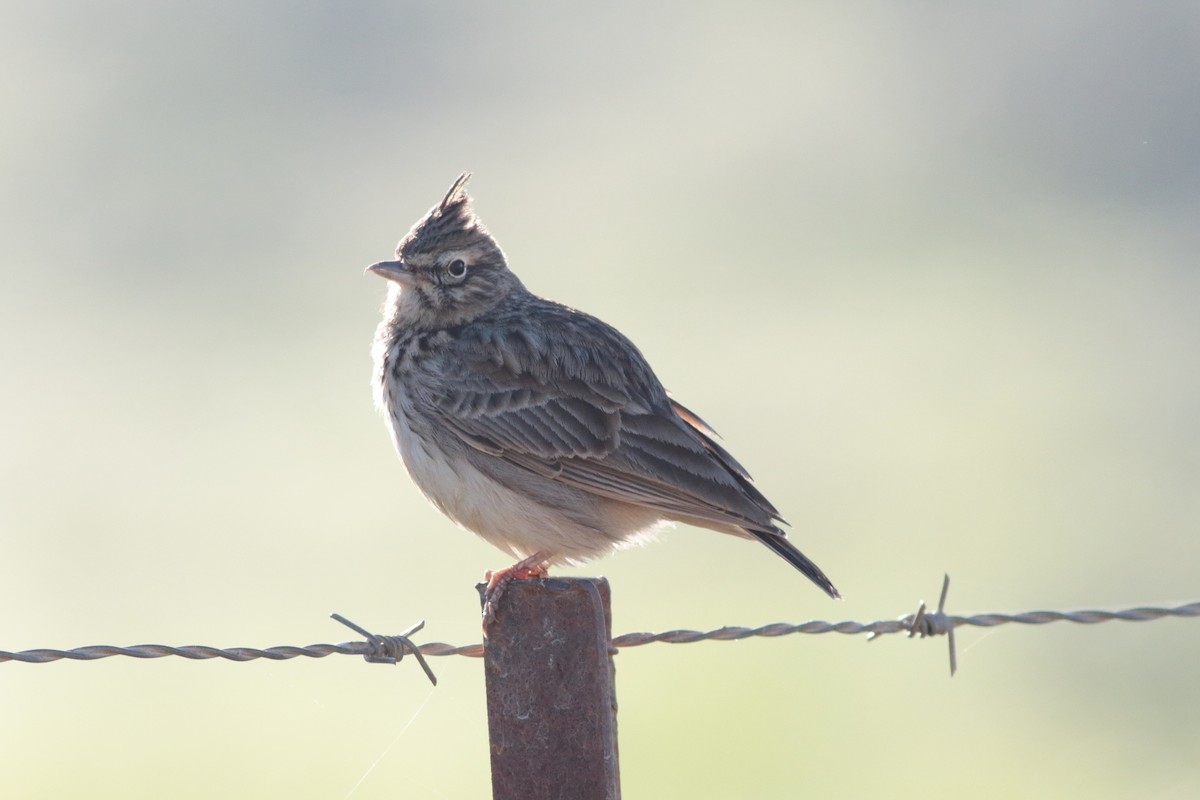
788	552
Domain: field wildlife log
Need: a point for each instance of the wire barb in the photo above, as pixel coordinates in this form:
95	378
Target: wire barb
390	649
924	624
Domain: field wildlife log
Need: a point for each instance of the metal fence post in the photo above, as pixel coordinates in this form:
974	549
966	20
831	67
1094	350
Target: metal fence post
551	696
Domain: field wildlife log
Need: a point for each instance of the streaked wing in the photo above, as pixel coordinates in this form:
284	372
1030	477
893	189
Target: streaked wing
593	415
664	463
542	425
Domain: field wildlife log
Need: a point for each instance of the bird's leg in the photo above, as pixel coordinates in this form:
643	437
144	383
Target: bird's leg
534	566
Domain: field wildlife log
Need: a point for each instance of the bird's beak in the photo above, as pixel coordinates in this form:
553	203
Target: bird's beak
396	271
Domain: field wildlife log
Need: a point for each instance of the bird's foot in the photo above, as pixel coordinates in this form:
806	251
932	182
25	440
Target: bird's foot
535	566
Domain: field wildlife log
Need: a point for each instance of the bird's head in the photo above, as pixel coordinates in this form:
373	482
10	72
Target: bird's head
448	269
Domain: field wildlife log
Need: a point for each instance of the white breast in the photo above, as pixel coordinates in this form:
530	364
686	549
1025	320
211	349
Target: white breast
513	522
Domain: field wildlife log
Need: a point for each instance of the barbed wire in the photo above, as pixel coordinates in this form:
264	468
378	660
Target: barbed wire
392	649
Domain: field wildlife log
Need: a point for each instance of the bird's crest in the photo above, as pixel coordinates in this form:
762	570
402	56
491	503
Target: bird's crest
457	193
451	223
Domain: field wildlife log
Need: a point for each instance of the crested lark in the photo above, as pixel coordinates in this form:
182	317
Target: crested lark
539	427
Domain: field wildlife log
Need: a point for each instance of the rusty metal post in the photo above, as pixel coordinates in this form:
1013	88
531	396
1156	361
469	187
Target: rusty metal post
551	695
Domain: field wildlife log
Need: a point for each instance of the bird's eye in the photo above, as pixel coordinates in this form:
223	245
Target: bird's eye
456	268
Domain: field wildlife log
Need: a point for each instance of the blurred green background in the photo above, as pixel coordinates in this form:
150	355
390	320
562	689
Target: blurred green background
929	268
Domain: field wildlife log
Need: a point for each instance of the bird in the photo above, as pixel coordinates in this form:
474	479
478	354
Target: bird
537	426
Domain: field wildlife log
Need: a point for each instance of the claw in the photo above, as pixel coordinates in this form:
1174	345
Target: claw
535	566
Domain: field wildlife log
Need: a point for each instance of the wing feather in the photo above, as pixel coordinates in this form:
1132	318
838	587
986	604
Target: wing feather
593	415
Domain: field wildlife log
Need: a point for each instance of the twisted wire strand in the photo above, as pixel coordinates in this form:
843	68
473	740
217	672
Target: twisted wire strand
195	652
941	625
392	649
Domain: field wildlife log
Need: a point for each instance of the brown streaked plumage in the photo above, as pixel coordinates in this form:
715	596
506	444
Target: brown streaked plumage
539	427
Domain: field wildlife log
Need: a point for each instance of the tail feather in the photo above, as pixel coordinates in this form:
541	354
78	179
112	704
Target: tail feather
788	552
